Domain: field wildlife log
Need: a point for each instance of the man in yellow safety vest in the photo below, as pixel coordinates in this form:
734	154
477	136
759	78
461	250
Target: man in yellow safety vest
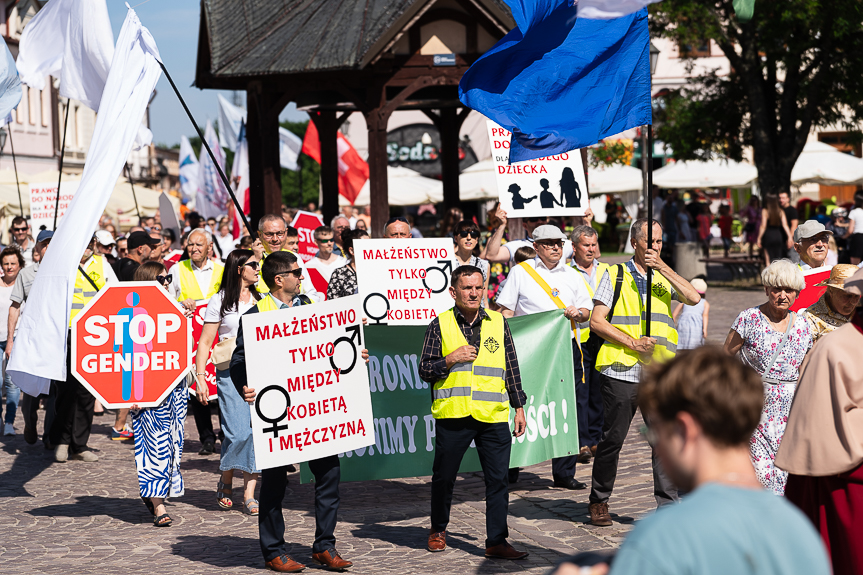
585	248
469	355
283	275
622	292
277	236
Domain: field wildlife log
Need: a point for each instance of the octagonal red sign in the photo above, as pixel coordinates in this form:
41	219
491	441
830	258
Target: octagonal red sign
306	224
131	344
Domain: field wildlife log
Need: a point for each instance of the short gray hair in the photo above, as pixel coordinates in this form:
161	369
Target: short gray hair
337	218
639	228
580	231
207	234
783	273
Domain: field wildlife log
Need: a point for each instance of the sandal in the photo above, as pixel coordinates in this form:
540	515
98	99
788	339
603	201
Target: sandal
149	505
162	521
223	499
252	506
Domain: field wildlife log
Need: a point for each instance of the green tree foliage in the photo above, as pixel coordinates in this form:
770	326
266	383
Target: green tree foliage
796	66
309	175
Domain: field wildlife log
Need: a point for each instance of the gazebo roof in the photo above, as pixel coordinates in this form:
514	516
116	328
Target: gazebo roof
247	38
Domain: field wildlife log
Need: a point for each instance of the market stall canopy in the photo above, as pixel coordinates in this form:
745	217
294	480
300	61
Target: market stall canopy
709	174
406	188
478	182
614	179
821	163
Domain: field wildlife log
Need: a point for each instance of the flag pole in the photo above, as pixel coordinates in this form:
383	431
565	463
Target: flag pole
132	184
15	165
62	155
649	163
225	181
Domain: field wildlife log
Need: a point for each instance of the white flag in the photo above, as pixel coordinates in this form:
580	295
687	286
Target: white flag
211	200
290	146
71	40
230	119
240	179
608	9
40	346
10	85
189	170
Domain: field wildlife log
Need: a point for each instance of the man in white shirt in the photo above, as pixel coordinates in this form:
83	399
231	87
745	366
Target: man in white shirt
21	238
198	246
225	240
277	236
325	261
543	284
495	252
810	243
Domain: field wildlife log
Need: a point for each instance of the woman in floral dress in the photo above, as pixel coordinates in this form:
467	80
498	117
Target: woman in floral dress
756	335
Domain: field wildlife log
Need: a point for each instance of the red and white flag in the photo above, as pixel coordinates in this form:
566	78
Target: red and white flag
353	170
240	181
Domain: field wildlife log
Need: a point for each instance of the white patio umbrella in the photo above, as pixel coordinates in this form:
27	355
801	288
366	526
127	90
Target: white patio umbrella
614	179
406	188
478	182
709	174
823	164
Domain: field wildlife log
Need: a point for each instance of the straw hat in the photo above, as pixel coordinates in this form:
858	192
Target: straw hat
838	276
700	285
854	284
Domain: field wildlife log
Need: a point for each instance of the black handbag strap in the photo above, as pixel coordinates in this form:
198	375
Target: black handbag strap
89	279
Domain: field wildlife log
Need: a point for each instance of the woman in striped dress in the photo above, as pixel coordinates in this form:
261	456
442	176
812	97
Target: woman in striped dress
159	432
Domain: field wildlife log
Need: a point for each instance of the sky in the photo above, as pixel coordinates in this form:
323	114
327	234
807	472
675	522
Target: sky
174	24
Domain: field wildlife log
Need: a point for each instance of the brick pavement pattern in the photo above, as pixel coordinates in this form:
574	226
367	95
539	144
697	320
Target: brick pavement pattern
78	517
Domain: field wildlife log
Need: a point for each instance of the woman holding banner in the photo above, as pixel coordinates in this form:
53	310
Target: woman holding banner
236	295
159	431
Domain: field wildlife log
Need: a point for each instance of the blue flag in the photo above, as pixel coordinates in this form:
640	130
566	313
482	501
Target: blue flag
559	83
10	84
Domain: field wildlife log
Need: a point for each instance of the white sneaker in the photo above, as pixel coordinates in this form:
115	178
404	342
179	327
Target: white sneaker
87	456
9	430
61	453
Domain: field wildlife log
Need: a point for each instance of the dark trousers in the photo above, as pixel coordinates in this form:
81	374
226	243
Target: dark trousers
203	419
271	523
30	412
620	400
73	411
493	445
564	467
590	430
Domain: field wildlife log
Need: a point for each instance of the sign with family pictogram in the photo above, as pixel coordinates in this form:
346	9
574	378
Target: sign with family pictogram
210	370
550	186
132	344
404	281
315	400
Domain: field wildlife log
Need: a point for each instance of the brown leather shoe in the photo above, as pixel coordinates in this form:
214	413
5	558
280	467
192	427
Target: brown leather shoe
505	551
593	450
584	455
599	515
437	541
284	564
331	560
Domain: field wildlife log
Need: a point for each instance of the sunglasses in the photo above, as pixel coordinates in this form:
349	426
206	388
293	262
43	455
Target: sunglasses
164	280
472	233
19	229
550	244
297	273
325	241
252	264
396	219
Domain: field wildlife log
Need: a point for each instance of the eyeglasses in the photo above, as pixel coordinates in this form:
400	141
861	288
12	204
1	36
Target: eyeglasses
297	273
535	220
472	233
549	244
165	280
274	234
396	219
325	240
24	229
252	264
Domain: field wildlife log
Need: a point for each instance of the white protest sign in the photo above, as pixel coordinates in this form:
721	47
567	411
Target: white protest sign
550	186
313	398
404	281
43	198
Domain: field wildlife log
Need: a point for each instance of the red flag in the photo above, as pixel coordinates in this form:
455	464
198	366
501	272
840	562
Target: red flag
353	170
811	294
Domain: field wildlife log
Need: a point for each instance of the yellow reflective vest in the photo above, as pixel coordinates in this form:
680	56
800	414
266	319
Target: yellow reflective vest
473	389
262	285
189	288
629	318
83	291
584	328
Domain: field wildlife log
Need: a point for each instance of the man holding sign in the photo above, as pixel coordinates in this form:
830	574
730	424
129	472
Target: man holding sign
283	276
469	355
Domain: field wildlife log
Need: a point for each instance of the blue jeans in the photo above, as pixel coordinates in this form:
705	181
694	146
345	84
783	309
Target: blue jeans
13	392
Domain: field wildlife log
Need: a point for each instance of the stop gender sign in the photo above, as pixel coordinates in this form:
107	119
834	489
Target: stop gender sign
131	345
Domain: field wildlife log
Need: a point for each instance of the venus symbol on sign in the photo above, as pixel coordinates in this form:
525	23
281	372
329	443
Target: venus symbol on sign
282	413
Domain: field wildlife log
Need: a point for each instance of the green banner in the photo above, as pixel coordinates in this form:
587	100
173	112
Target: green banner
405	428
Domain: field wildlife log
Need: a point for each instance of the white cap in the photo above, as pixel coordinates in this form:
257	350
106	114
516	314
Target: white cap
105	238
548	232
700	285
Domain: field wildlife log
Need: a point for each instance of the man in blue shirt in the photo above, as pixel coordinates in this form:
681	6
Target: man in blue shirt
703	407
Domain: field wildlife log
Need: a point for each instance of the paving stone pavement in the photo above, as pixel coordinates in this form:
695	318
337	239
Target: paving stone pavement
78	517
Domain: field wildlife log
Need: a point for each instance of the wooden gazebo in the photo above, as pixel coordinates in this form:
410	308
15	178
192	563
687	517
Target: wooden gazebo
337	57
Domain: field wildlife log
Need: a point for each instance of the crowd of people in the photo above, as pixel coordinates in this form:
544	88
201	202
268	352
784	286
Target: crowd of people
737	432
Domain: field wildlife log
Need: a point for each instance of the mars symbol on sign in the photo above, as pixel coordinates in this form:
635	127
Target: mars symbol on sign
131	344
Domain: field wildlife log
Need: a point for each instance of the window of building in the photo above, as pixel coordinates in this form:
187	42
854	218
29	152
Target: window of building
701	50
